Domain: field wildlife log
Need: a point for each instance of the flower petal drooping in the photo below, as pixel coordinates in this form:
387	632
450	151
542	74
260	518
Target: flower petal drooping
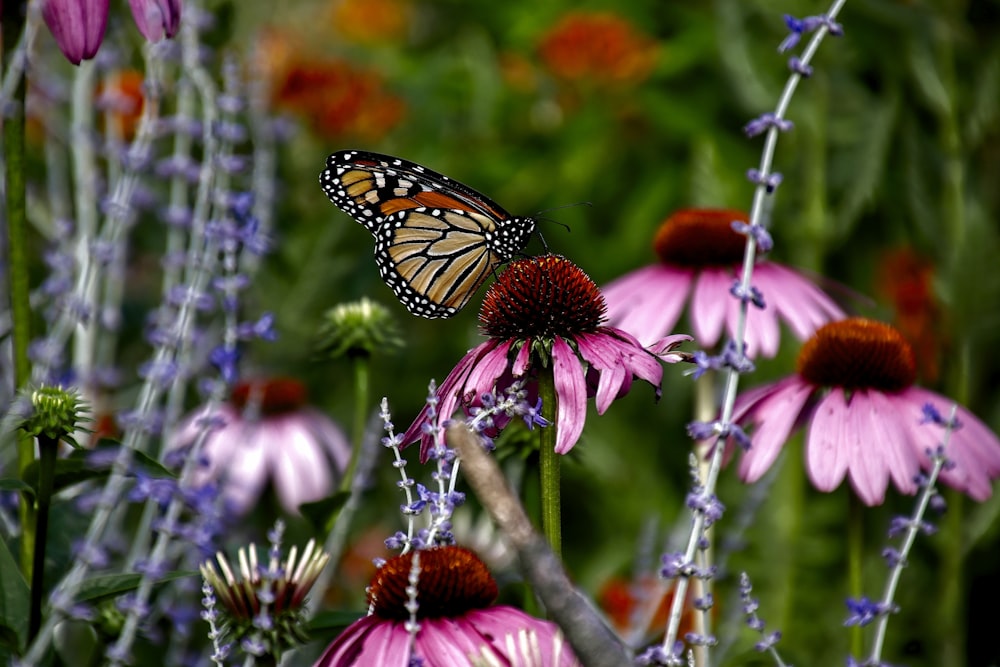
700	252
865	421
546	310
443	618
77	25
266	433
156	19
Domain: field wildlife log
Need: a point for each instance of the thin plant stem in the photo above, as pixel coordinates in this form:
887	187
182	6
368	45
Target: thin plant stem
704	410
855	557
362	389
757	217
549	462
17	247
916	519
48	447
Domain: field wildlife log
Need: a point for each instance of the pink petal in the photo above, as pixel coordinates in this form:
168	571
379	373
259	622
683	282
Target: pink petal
156	19
664	348
329	435
300	470
491	365
803	305
571	395
502	625
763	332
369	641
648	302
827	446
444	642
774	414
973	448
243	473
522	359
864	440
448	392
709	302
890	435
77	25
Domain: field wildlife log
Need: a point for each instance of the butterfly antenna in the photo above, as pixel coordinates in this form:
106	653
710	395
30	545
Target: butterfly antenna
538	216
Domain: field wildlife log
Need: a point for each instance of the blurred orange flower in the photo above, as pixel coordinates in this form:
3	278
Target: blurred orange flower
336	98
371	21
645	601
905	279
121	98
598	46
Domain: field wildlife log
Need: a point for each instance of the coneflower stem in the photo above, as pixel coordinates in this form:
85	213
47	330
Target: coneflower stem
14	13
362	391
47	449
855	554
549	462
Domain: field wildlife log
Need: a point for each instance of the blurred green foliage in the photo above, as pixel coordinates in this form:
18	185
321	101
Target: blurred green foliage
896	145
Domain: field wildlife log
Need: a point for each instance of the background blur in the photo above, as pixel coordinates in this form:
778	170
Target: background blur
890	189
890	197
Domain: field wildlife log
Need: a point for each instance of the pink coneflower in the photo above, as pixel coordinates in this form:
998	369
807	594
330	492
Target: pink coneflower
447	623
700	257
854	390
268	433
546	311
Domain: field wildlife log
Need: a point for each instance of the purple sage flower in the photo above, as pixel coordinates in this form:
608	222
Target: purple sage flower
77	25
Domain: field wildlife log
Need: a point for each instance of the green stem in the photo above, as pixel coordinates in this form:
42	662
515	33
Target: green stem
952	582
47	448
362	389
855	550
17	265
549	462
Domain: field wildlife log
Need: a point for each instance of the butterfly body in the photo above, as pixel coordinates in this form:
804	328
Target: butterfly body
436	240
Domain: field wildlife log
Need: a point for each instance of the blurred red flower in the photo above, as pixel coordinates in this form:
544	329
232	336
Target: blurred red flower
371	21
334	96
598	46
905	279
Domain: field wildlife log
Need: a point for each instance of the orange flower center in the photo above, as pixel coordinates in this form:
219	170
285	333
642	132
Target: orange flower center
858	353
274	396
697	237
451	582
541	296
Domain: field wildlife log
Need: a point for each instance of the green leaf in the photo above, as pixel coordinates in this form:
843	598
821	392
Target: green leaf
321	513
111	585
148	463
14	602
9	484
79	466
69	471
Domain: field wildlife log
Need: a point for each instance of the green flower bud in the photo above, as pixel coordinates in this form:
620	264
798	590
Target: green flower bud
55	413
358	329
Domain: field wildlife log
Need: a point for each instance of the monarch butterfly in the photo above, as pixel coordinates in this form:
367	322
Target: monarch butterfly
436	240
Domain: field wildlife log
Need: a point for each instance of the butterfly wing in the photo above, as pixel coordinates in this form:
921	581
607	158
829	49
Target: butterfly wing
434	260
370	186
436	240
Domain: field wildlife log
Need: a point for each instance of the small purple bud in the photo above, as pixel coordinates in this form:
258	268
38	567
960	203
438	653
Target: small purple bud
77	25
156	19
